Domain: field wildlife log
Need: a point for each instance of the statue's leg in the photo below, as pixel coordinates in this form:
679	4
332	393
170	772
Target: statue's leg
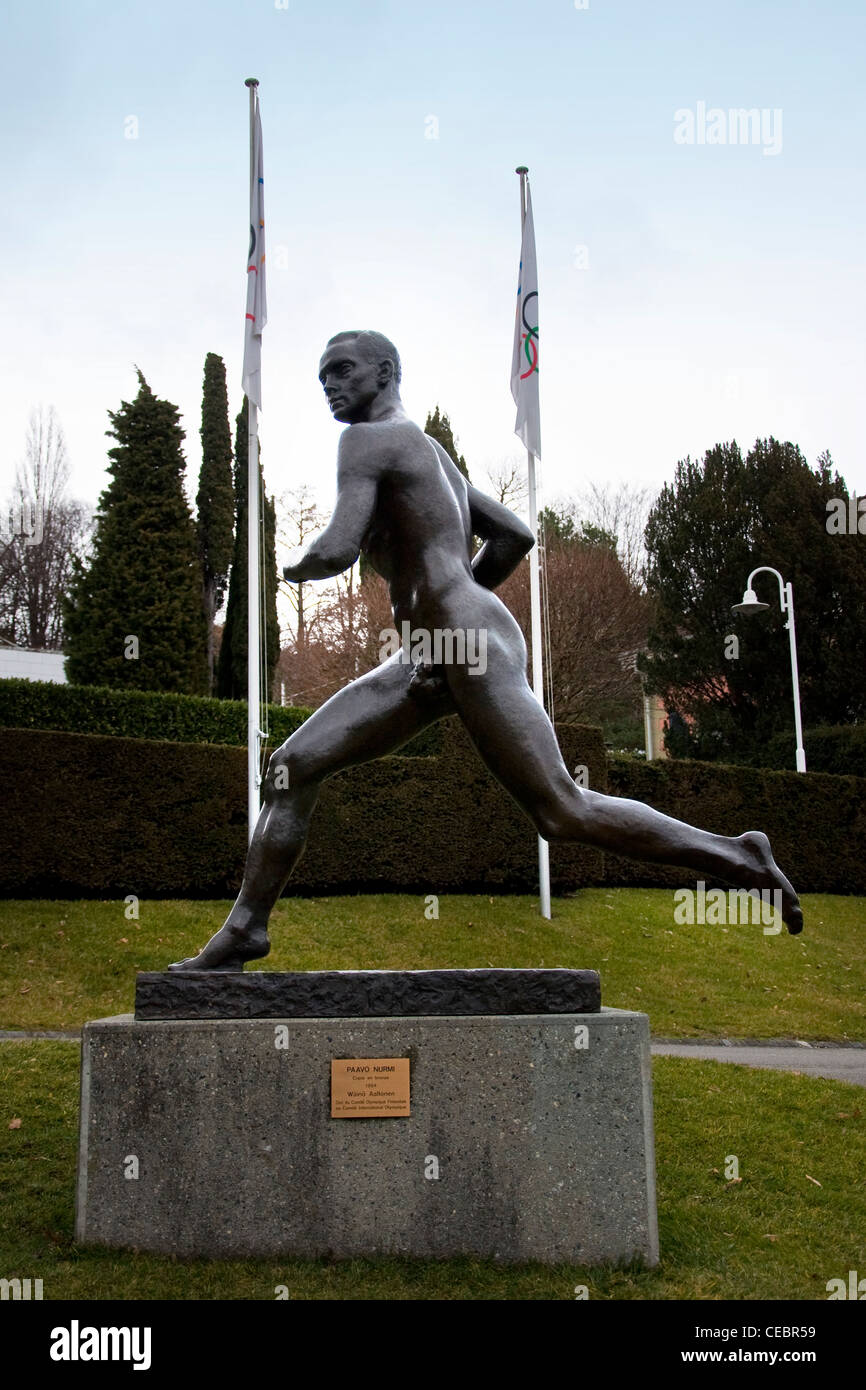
516	740
373	716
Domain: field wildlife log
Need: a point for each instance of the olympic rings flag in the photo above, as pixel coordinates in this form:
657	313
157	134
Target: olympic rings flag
524	360
257	305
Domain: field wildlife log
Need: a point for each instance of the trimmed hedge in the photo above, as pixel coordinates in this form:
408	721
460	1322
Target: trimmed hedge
94	816
840	749
100	709
816	822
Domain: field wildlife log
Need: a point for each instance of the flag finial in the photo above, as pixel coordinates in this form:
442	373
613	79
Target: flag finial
251	82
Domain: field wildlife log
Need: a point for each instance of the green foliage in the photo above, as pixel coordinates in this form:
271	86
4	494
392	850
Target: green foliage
136	714
171	818
269	592
215	500
816	822
562	524
624	732
231	681
840	750
116	815
232	665
438	426
715	523
143	581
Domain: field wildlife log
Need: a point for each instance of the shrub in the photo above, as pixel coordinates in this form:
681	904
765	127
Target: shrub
95	816
840	749
95	709
816	822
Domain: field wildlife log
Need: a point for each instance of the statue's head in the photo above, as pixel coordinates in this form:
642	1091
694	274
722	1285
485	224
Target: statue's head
358	368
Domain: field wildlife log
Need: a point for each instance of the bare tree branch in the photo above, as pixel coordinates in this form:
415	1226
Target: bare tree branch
44	532
509	483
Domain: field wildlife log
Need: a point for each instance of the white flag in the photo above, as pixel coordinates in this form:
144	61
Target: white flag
524	360
257	305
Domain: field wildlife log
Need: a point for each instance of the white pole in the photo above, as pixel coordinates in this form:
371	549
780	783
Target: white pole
795	680
648	730
253	620
786	602
253	690
535	611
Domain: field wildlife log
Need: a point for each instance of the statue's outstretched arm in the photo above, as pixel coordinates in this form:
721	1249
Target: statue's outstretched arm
339	545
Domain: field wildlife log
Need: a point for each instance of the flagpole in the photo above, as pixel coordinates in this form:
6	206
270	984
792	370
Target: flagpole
253	567
535	605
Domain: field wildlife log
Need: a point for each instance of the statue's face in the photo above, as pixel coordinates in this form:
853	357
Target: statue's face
351	381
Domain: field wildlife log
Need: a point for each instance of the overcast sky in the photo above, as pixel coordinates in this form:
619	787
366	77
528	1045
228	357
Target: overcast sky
689	292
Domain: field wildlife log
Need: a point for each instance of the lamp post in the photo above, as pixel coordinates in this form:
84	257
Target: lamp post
752	604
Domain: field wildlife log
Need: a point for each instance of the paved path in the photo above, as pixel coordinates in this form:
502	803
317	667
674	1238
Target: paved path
40	1035
816	1059
810	1059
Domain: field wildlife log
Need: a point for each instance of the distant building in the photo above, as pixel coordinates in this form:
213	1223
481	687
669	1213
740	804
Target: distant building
27	665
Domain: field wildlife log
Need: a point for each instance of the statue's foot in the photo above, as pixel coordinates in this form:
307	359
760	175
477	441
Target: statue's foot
762	871
228	949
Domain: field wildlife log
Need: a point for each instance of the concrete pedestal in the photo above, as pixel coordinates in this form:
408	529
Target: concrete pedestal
530	1138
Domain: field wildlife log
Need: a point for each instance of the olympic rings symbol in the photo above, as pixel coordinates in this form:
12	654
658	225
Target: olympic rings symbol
530	339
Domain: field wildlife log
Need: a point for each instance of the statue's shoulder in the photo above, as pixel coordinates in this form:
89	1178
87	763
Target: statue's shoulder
385	440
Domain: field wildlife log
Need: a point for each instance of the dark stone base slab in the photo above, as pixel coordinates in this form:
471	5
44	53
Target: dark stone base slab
364	993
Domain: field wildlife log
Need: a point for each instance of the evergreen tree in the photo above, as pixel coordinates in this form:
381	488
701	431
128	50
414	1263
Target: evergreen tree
562	524
215	500
272	622
438	426
133	617
232	665
712	526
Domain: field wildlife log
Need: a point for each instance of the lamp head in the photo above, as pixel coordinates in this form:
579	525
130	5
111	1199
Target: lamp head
750	604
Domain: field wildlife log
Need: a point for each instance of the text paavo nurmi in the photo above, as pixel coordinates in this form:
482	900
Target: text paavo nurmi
369	1088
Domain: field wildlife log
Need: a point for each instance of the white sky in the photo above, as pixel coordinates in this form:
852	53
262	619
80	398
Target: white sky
724	294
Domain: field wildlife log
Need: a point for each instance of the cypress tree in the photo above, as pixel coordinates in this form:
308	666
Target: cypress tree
133	617
215	500
438	426
272	622
232	665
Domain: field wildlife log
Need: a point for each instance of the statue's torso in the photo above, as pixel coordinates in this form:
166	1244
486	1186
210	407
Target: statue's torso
420	537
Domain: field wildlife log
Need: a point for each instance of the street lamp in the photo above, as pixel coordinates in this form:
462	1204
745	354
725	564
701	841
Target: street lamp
752	604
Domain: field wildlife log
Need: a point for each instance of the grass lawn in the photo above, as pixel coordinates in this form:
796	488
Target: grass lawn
796	1218
62	963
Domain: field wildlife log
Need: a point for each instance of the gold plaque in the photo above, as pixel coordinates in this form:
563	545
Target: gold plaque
365	1087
